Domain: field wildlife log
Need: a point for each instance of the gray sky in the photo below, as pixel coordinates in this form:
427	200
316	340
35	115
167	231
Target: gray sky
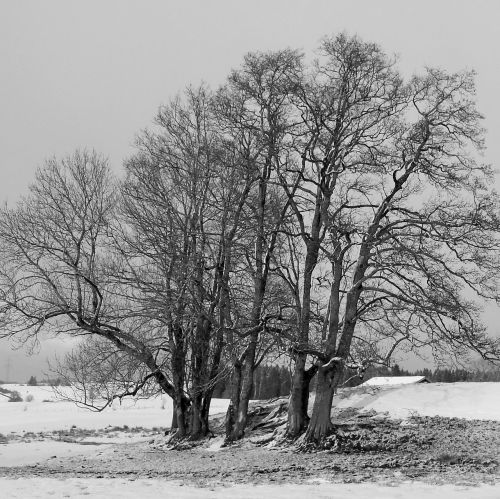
92	73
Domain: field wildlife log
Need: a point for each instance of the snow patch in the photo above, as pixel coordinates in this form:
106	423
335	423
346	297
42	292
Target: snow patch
215	444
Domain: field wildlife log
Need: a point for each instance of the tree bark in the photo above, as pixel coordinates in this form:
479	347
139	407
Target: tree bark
246	387
182	410
299	399
320	423
198	424
235	399
198	420
246	370
174	426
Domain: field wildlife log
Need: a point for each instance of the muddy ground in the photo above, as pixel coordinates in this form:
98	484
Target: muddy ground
363	447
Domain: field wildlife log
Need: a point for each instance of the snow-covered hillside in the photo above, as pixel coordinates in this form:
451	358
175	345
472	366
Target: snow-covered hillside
460	400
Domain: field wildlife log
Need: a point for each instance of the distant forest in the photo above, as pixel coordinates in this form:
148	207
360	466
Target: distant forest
439	375
275	381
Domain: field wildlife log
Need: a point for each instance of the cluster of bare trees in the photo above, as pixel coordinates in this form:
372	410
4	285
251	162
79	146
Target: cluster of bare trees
330	212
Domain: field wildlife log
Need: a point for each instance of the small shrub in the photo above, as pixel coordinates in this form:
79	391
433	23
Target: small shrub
446	458
15	397
29	398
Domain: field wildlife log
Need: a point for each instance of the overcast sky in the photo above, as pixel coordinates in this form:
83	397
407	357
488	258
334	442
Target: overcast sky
92	73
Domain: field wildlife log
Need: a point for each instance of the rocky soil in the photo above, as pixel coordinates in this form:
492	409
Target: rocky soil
362	447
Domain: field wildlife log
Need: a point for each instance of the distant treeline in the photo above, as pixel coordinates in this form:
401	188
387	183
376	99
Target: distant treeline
268	382
275	381
438	375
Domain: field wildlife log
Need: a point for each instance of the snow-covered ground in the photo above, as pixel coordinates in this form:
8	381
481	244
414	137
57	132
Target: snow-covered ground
45	488
459	400
26	454
45	413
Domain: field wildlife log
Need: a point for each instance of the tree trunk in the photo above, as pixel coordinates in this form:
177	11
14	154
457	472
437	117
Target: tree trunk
198	425
182	412
235	399
205	410
174	426
241	413
299	398
179	400
208	391
198	420
320	423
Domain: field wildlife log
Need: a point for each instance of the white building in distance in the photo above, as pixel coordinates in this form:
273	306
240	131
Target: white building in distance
395	380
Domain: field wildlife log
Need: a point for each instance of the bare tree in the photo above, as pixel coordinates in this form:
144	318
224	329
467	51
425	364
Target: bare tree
55	272
345	107
402	213
253	111
333	211
178	216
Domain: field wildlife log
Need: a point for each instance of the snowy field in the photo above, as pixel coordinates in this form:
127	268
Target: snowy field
45	414
451	400
45	488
